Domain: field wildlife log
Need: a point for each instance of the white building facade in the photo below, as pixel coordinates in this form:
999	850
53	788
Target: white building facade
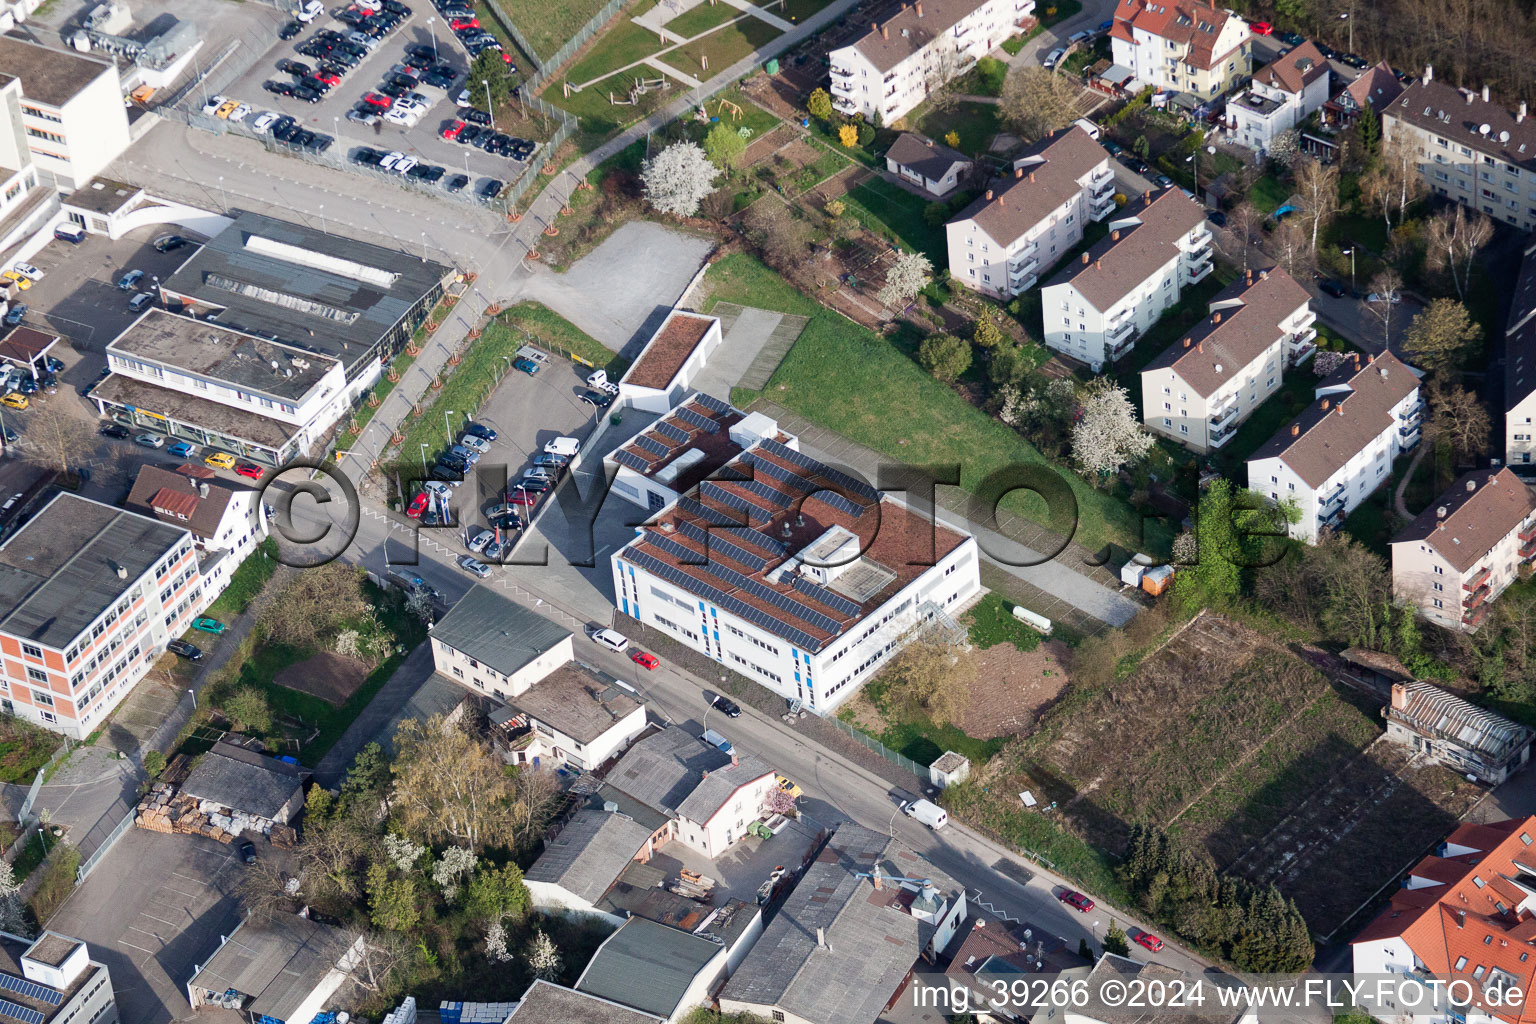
895	66
72	110
1282	95
1520	369
1181	46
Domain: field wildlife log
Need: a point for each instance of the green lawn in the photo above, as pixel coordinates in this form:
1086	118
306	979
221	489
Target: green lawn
552	331
794	11
1012	45
493	25
599	117
881	206
24	748
723	48
993	623
548	24
620	46
245	583
1268	193
985	79
976	124
868	388
701	19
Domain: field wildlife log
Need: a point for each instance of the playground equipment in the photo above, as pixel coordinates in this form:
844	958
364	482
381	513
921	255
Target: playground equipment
724	105
640	88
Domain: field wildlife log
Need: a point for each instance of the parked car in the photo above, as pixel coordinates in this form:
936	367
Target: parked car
149	440
1149	942
116	430
456	183
454	463
189	651
609	638
182	449
474	567
28	271
1390	297
1076	900
1262	28
466	453
526	365
127	282
478	444
597	399
1291	38
16	314
418	505
481	431
1332	287
644	660
248	851
478	539
208	625
250	470
726	706
139	301
547	461
15	400
289	31
787	787
220	460
1054	57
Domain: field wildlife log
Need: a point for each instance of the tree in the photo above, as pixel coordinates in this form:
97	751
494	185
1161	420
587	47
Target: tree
1367	135
543	956
1006	365
11	919
1108	435
489	69
450	787
779	233
248	710
402	853
1401	163
1452	241
677	179
366	776
986	333
1115	940
1227	525
1318	185
724	146
1036	102
848	135
779	802
311	602
494	894
1440	335
952	139
1285	147
57	439
906	276
1289	247
154	763
266	891
1387	286
1244	222
1379	191
382	956
419	603
1460	419
931	677
819	104
451	867
496	942
391	901
945	356
941	65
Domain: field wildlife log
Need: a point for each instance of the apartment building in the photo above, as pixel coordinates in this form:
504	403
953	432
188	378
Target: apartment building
916	50
1520	368
1469	149
1340	449
1460	553
91	595
1181	46
1200	390
1096	308
71	109
225	520
1281	96
216	386
999	244
24	207
491	644
794	574
53	980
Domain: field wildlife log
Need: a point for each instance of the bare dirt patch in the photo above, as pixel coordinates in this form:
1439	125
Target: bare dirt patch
1012	688
763	146
327	675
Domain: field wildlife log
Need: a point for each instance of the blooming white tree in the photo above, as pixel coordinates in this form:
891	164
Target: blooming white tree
1108	434
678	178
909	275
350	644
419	604
11	919
496	942
401	852
543	957
454	864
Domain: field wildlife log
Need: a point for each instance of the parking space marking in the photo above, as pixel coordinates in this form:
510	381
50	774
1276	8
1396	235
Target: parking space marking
188	895
152	917
141	949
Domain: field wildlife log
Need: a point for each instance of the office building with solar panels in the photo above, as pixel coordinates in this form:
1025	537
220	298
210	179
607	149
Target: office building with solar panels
53	979
781	568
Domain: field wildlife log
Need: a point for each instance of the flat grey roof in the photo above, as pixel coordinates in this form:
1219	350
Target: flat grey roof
217	417
243	780
576	702
101	195
257	271
647	966
59	571
497	631
222	354
548	1003
47	75
590	853
11	952
661	770
279	963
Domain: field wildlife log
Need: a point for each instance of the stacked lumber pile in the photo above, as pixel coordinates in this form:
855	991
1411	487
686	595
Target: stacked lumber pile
162	810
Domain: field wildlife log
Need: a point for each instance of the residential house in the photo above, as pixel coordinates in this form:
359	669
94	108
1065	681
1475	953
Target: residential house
1374	91
490	643
53	980
931	166
90	596
1469	149
659	378
914	50
999	244
1200	389
1467	739
232	780
1181	46
1519	370
846	937
1340	449
1463	910
72	116
1459	554
585	858
993	950
575	717
1281	96
1096	307
284	969
225	520
654	968
547	1003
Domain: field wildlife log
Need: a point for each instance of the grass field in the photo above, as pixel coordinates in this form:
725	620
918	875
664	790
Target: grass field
700	19
723	48
622	45
557	334
599	117
548	24
849	379
992	623
881	206
1267	194
976	124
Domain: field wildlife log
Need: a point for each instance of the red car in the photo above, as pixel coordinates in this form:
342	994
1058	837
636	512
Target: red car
1150	941
329	78
418	505
644	660
250	469
1262	28
378	99
1075	900
452	131
522	497
458	23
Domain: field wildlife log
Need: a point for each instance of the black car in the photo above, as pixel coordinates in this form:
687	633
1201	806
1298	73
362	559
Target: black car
284	128
533	485
1332	287
421	51
597	399
438	80
1357	62
492	188
729	707
394	90
1217	217
278	88
319	144
116	430
367	156
474	116
307	93
170	243
453	462
1290	38
468	134
396	7
189	651
248	851
510	521
445	474
294	67
289	31
427	172
481	431
456	183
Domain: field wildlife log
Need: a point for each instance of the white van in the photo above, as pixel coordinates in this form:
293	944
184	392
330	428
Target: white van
308	11
611	639
565	447
927	812
714	739
70	232
1087	126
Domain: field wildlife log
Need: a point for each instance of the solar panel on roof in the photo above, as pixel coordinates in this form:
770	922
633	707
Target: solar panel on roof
770	494
783	602
762	540
698	419
711	403
633	461
693	531
735	606
839	502
672	430
821	469
817	592
22	1013
778	472
736	501
31	989
684	555
735	552
653	446
695	507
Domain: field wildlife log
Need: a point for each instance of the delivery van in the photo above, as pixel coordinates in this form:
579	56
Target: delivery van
927	812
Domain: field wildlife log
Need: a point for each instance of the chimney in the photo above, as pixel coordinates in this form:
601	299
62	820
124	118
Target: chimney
1114	235
1085	259
885	32
1461	919
1429	72
122	572
1295	429
735	761
877	879
1326	404
821	937
202	489
1383	372
1471	486
1399	696
1340	407
930	143
1215	318
989	195
1470	97
703	776
1485	94
1520	117
1018	172
919	7
1031	177
1098	264
1200	347
1263	275
1186	342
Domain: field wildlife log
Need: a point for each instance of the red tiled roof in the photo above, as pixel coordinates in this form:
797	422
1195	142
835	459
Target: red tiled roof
1296	70
668	349
1198	26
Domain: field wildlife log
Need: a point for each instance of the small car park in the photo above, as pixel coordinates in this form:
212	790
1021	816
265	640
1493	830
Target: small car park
189	651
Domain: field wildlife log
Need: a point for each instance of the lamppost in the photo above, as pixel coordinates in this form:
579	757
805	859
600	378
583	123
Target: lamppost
423	247
194	697
489	109
1346	17
222	195
1350	252
423	458
447	428
432	28
323	230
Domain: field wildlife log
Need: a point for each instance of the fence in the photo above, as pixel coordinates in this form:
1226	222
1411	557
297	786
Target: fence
899	760
547	68
507	23
88	863
37	783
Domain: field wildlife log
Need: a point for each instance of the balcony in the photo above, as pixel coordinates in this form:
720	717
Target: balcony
1333	520
1477	597
1528	534
1224	415
1199	272
844	103
1528	550
1120	332
1028	266
1336	496
1474	617
843	73
842	88
1415	414
1100	179
1478	579
1224	433
1100	207
1408	437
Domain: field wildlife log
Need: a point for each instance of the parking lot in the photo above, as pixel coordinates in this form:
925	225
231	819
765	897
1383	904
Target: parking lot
152	911
423	27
